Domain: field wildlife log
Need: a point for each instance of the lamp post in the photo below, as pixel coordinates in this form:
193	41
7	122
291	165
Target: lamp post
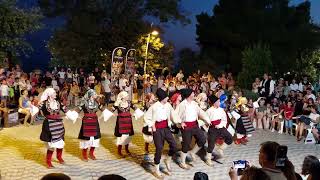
154	33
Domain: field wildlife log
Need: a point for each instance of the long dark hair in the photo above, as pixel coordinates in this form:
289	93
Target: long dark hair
311	165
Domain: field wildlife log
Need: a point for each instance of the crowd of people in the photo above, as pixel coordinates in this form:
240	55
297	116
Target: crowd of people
176	109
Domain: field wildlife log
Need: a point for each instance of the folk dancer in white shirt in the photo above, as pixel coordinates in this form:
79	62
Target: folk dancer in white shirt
218	128
159	118
189	113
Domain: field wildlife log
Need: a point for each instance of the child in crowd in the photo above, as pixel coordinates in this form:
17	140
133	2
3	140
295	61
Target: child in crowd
288	112
4	92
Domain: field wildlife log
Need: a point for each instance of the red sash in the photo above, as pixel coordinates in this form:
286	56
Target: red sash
162	124
216	122
190	125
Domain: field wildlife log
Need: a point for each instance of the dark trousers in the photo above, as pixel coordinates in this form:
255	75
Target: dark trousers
187	135
158	137
214	134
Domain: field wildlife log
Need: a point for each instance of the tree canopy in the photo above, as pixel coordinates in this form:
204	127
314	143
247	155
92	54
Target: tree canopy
15	23
234	25
94	27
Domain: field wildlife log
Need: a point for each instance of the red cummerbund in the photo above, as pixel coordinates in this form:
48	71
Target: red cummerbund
161	124
216	122
193	124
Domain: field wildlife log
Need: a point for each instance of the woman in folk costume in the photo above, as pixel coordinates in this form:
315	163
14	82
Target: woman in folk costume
124	128
189	112
89	134
52	128
244	126
161	118
146	132
218	128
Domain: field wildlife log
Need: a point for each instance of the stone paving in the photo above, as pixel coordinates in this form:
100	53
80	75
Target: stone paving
22	155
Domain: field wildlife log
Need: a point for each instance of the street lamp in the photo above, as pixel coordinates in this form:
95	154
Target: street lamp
154	33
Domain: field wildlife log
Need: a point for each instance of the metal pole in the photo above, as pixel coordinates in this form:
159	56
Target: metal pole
145	68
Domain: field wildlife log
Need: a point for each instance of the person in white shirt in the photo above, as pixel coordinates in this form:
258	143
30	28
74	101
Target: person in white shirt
159	118
294	86
310	95
122	82
189	112
106	87
218	126
213	84
62	76
180	76
4	92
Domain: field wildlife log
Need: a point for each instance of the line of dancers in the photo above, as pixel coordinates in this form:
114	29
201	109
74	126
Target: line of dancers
176	120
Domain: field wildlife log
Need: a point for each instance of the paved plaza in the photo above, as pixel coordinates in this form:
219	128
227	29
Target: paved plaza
22	155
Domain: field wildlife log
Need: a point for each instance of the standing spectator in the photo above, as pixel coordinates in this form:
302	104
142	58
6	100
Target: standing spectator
69	76
4	92
106	86
74	94
294	86
288	114
264	88
180	76
62	76
255	85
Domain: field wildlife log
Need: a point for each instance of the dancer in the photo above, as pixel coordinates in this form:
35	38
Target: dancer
244	126
162	116
124	128
175	100
52	128
146	131
189	113
89	134
218	126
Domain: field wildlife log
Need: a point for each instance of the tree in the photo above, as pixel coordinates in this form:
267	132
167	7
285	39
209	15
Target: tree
187	59
309	64
234	25
256	60
15	23
94	28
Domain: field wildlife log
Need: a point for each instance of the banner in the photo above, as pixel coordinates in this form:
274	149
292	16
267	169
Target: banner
117	64
130	61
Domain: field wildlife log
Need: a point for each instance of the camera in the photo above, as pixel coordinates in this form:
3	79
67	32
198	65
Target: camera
240	165
281	156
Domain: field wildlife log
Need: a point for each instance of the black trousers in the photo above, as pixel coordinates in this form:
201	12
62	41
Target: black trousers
159	137
187	135
214	134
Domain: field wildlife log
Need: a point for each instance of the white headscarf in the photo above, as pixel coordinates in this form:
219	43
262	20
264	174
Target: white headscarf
47	93
120	97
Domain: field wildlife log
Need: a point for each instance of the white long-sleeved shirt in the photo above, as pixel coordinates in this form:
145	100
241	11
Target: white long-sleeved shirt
218	114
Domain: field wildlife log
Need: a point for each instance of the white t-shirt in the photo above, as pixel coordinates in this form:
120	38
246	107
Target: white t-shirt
213	85
61	74
294	87
312	96
180	76
106	85
4	90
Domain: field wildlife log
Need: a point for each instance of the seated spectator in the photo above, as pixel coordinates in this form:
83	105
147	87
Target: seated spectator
24	106
111	177
55	176
311	167
303	121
